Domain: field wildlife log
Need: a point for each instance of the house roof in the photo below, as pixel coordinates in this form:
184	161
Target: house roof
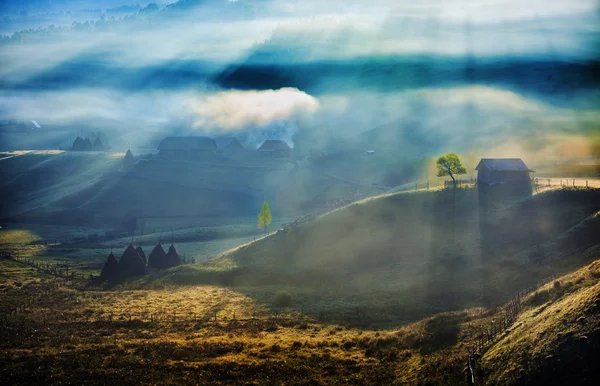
504	165
187	143
225	142
275	144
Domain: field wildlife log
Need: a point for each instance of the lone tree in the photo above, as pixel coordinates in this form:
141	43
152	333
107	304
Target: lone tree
264	217
449	165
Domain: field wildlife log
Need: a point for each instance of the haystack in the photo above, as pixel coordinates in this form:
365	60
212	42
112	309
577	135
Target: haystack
78	144
98	145
158	257
110	271
140	252
128	159
87	144
172	257
131	264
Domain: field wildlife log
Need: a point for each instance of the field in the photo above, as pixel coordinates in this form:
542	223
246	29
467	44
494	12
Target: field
390	290
68	336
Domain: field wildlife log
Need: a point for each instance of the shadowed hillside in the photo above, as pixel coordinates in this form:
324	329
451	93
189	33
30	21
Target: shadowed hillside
97	189
405	256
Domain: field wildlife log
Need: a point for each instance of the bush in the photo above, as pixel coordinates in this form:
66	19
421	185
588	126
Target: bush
556	284
282	299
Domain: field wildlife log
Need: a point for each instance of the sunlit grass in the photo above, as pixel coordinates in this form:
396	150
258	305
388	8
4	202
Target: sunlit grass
17	236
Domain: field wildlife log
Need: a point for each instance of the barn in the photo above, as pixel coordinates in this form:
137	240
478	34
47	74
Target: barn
184	148
275	148
495	171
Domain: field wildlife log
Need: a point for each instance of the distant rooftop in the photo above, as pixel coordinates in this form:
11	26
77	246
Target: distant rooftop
187	143
504	165
275	144
223	142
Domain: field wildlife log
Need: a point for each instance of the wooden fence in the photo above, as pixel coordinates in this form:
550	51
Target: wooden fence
470	181
505	316
541	182
65	271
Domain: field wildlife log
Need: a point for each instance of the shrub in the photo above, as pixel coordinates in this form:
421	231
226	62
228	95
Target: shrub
348	345
282	299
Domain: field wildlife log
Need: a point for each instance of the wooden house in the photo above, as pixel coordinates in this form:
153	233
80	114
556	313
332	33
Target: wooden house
496	171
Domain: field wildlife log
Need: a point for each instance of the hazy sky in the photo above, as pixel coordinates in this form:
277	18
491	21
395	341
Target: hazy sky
340	67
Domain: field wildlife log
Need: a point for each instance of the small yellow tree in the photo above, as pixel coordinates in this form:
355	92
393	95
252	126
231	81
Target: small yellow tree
264	217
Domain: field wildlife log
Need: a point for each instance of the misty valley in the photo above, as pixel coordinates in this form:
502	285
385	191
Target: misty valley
258	192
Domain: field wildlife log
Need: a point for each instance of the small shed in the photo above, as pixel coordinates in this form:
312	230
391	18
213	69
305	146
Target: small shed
275	148
494	171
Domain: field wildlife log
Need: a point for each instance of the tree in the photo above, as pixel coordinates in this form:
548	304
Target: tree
264	217
449	165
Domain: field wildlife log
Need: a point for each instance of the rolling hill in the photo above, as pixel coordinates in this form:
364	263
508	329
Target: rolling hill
403	257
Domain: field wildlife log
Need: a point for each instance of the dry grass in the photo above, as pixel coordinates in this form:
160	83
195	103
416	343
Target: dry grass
77	347
555	340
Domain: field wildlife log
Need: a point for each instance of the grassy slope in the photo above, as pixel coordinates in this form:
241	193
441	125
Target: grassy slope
80	188
556	334
556	340
406	256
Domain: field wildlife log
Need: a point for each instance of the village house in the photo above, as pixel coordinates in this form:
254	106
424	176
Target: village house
182	148
275	148
495	171
228	144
